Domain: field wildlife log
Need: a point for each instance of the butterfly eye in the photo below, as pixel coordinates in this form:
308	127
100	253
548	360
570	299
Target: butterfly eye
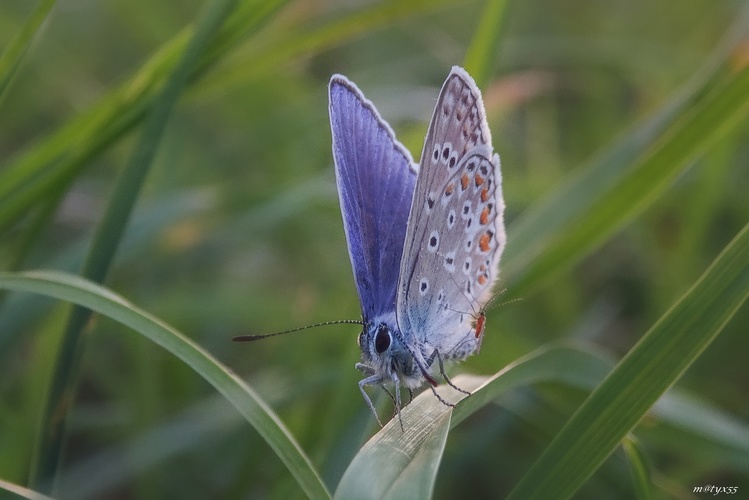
382	339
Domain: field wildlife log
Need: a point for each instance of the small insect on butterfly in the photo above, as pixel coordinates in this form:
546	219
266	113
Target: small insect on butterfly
424	240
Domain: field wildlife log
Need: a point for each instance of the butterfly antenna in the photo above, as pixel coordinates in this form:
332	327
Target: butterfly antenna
489	303
501	304
249	338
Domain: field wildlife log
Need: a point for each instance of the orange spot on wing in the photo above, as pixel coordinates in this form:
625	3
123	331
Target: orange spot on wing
484	194
482	279
449	189
484	242
464	181
479	180
484	218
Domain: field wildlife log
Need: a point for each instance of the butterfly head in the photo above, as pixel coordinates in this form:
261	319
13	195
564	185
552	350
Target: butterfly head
385	354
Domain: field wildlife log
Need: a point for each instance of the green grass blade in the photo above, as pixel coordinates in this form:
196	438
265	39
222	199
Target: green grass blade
235	390
485	43
643	375
104	246
13	54
614	188
418	478
639	469
393	458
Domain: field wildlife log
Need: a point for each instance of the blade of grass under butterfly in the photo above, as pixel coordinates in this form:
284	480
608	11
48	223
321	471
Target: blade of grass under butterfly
13	54
641	377
400	463
397	457
614	188
104	246
94	297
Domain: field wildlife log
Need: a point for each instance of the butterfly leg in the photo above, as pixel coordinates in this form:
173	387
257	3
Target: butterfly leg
396	404
423	364
373	380
436	354
392	398
441	399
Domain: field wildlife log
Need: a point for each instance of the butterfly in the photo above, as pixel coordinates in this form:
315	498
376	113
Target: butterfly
424	240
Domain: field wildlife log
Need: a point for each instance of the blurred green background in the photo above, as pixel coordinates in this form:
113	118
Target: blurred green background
238	230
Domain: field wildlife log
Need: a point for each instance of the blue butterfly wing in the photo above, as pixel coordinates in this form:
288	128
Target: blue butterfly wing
375	176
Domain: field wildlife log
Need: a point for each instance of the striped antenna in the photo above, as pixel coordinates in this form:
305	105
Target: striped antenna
250	338
500	304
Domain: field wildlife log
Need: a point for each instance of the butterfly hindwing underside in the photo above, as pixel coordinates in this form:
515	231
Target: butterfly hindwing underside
456	231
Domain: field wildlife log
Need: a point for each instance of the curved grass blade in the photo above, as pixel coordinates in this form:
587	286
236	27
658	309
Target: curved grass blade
397	463
642	376
13	54
104	246
401	463
235	390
